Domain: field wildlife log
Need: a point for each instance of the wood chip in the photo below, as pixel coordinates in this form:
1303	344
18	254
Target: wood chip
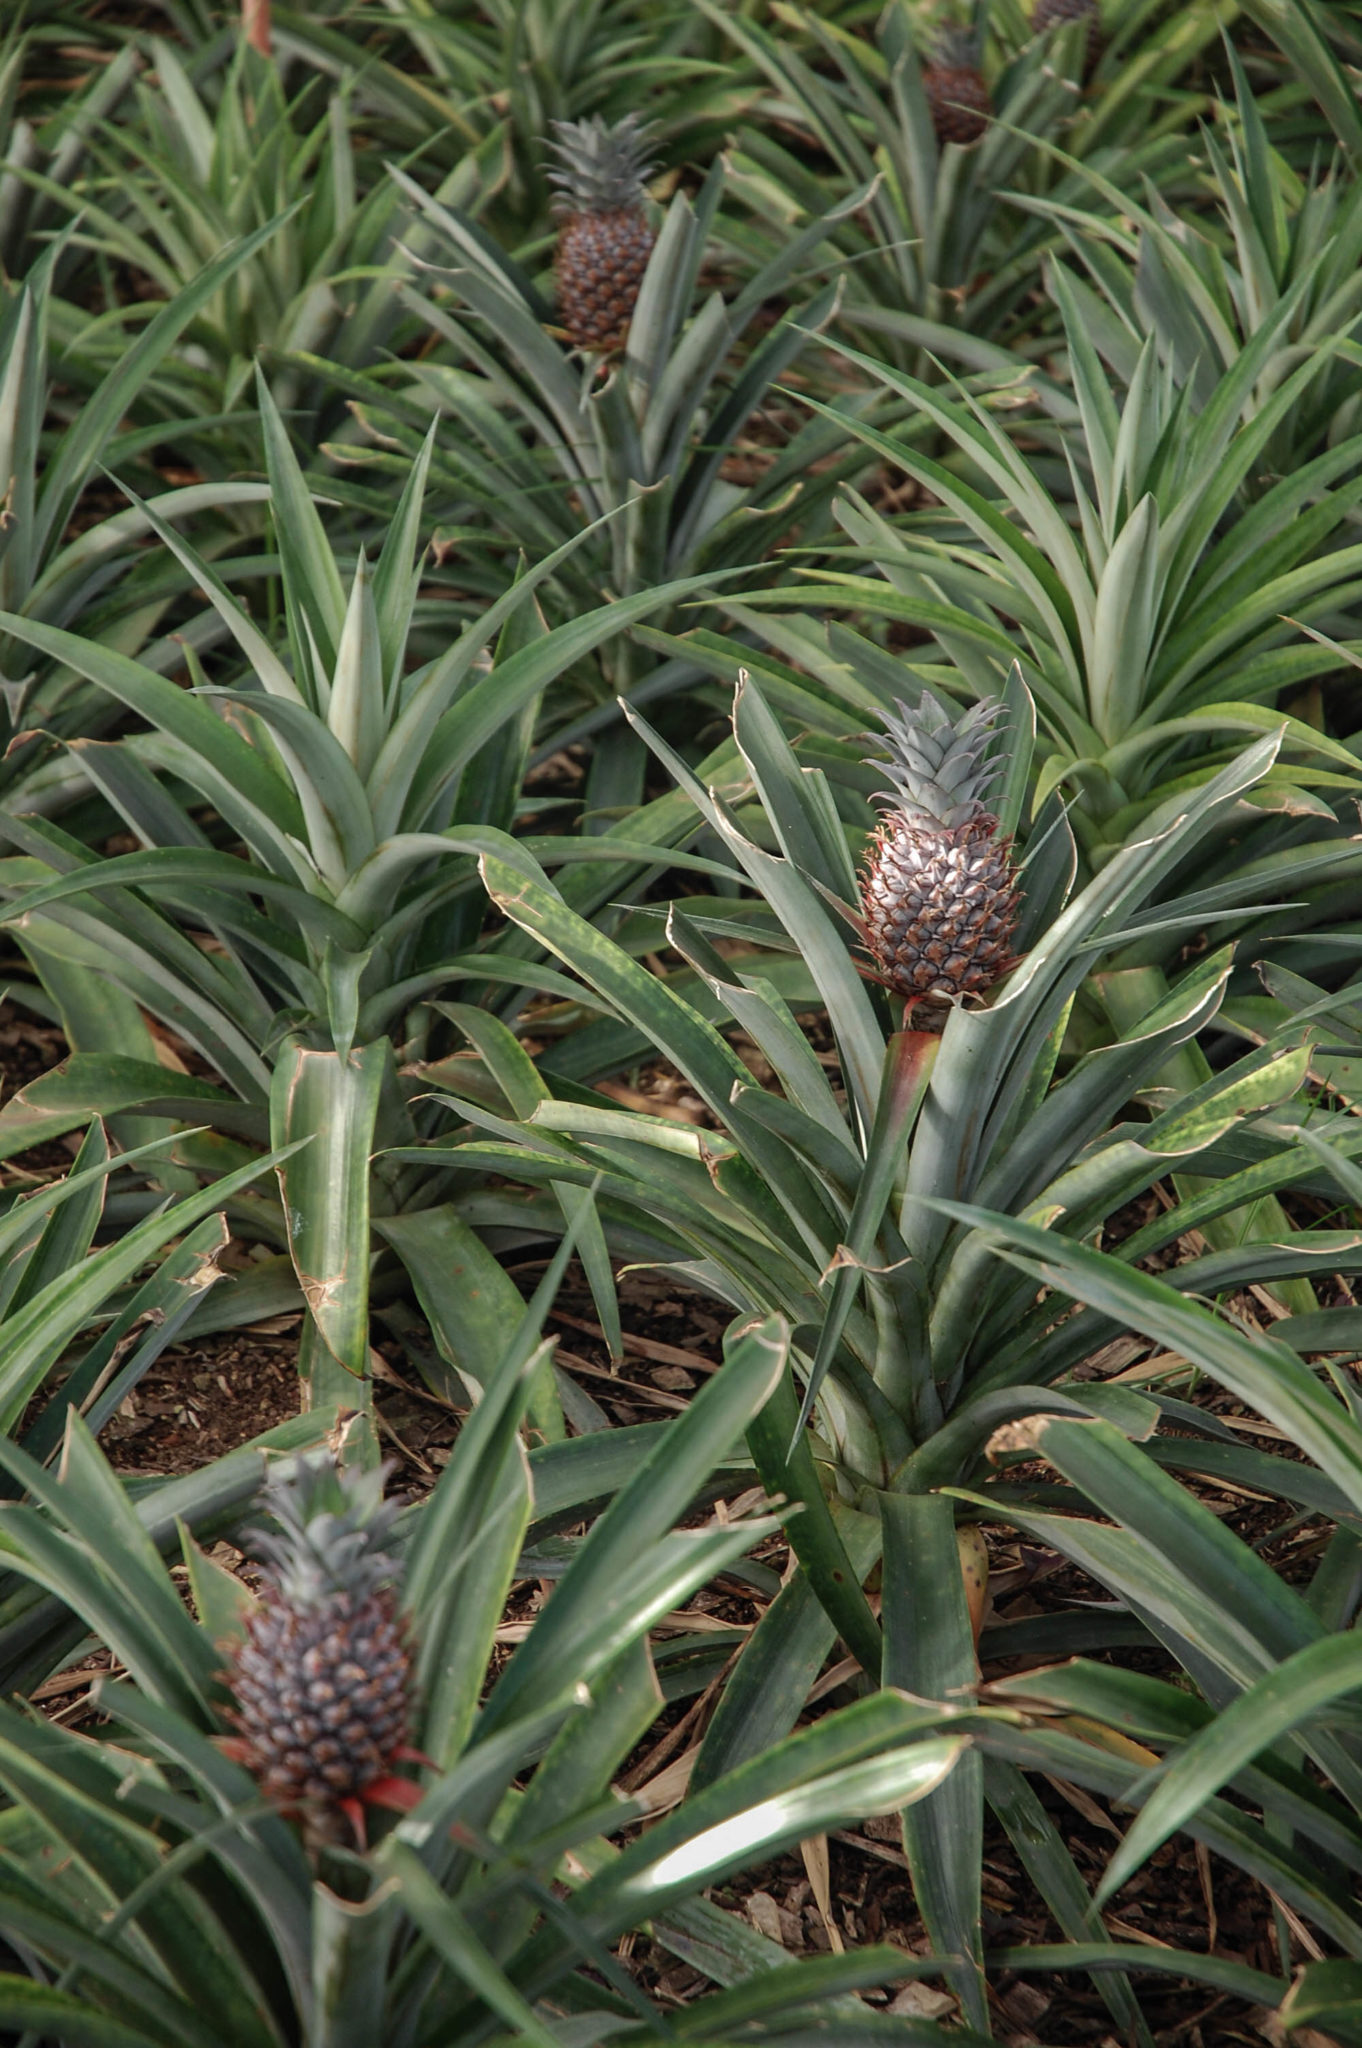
764	1914
921	2002
1026	2003
513	1631
677	1379
1124	1931
676	1111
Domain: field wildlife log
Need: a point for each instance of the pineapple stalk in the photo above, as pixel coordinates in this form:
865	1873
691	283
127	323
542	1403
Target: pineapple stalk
255	26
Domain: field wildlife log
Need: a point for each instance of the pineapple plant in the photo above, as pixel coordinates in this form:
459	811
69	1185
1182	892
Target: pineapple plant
938	892
320	1678
957	93
605	237
1049	14
234	1933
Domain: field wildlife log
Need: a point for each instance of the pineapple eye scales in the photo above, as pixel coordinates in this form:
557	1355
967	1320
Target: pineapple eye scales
321	1676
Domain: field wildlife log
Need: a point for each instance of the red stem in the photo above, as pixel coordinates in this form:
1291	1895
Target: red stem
255	25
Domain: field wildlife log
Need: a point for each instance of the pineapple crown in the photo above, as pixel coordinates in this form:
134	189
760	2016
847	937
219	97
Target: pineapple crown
935	759
954	48
601	165
333	1528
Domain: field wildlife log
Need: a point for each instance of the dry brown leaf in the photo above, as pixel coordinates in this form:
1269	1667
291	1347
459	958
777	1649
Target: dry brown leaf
669	1787
816	1863
1082	1802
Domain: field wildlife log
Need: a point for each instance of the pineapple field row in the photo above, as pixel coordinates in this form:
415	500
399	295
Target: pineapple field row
680	1002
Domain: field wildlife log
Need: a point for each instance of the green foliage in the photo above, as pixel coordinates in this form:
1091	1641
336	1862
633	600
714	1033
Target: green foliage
937	246
1156	607
913	1344
187	1910
537	61
547	446
1272	251
54	148
1270	1662
357	894
339	772
218	154
56	1288
49	574
761	1211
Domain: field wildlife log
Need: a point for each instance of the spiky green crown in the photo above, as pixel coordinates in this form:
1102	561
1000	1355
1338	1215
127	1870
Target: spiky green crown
332	1535
601	167
954	48
935	759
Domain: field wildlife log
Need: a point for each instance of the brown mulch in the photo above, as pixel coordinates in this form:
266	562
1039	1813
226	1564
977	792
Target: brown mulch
203	1399
28	1047
872	1901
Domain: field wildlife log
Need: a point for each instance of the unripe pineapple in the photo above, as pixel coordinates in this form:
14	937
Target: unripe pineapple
605	238
320	1678
938	892
1049	13
957	95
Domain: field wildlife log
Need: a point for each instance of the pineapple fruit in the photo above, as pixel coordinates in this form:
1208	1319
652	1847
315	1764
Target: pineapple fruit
1049	13
938	892
605	237
958	97
320	1678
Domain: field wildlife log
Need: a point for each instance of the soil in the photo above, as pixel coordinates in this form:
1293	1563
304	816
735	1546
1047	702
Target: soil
201	1400
27	1047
